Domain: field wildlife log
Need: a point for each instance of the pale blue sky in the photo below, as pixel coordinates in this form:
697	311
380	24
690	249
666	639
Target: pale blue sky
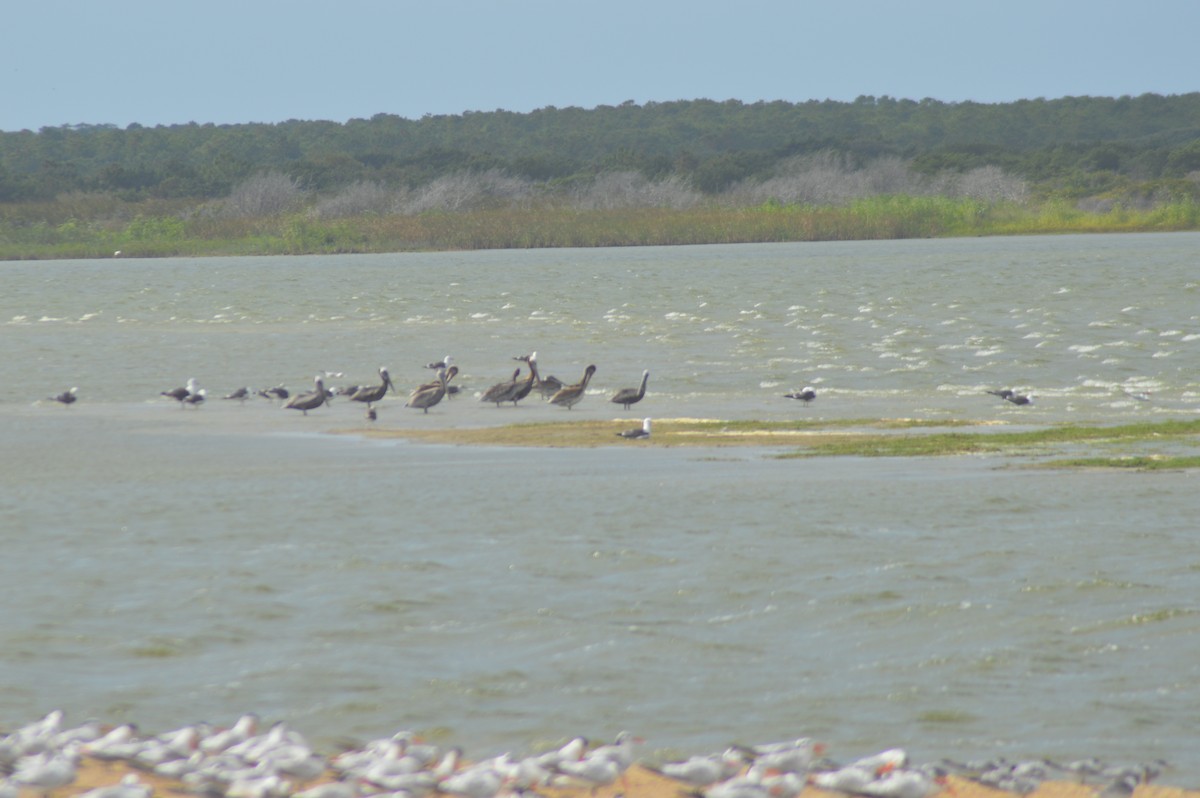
226	61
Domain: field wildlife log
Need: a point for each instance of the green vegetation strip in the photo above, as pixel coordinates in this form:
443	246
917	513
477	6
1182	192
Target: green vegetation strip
849	437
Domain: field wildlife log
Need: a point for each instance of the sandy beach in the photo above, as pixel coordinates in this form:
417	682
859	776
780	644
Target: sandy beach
640	782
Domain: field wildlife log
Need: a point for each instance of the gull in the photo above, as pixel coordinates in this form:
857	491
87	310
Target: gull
278	392
180	394
66	397
629	396
241	394
637	432
805	394
444	363
1020	399
194	399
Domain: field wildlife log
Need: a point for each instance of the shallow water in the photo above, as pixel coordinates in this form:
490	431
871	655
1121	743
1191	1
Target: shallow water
166	565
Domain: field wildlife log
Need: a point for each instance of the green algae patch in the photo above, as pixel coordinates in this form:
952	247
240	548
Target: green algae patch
666	432
844	438
1039	441
1130	463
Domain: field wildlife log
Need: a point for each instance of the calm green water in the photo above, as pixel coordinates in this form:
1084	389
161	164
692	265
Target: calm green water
166	565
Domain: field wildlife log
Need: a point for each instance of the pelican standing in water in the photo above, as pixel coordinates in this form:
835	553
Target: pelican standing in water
637	432
373	393
309	401
499	392
66	397
629	396
426	396
522	389
569	396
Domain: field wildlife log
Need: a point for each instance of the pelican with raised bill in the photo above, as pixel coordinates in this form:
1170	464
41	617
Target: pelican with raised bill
630	396
637	432
569	395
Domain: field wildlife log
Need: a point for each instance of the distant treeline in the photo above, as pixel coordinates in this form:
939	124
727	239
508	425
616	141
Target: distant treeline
1132	150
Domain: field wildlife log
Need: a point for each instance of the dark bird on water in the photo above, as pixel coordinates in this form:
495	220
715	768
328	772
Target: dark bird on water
311	400
805	394
629	396
278	392
241	394
186	395
1009	395
66	397
637	432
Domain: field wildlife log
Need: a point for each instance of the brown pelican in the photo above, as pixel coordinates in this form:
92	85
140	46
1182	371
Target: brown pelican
499	392
522	389
805	394
629	396
66	397
637	432
241	394
311	400
373	393
569	395
426	396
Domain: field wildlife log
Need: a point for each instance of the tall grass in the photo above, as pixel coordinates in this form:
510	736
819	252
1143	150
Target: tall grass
532	225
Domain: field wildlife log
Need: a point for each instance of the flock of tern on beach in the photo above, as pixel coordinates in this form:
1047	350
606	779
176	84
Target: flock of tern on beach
242	761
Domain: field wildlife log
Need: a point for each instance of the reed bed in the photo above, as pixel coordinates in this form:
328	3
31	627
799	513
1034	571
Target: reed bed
531	227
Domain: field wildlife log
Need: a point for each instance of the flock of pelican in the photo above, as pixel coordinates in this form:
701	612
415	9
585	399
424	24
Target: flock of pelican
243	761
424	396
